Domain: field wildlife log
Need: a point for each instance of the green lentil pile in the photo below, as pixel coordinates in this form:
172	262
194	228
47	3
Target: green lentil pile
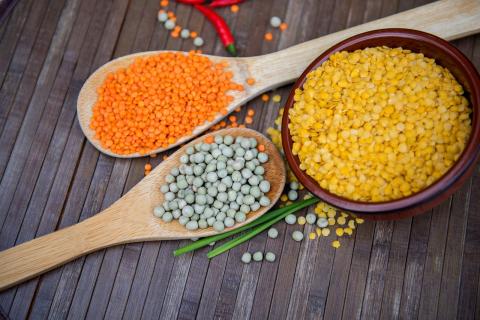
218	183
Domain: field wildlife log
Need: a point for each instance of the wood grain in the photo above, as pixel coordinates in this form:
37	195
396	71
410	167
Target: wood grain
129	219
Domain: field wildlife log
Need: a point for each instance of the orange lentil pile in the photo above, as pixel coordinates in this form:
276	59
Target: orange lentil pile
159	99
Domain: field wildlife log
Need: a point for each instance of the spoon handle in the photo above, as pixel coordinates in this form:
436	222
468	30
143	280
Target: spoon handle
448	19
39	255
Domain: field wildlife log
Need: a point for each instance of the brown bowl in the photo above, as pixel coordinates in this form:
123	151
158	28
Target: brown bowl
444	54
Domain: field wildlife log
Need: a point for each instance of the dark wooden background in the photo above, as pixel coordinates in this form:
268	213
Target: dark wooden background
51	177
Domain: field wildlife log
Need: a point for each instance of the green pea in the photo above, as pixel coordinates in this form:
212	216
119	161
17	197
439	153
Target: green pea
212	191
229	222
228	140
211	221
222	187
272	233
292	195
176	213
270	257
222	196
248	155
169	178
297	236
197	170
245	189
231	212
254	180
190	198
253	142
255	191
218	226
239	152
197	182
183	220
246	257
262	157
255	206
322	222
201	199
187	211
198	208
164	188
238	164
208	212
173	205
190	150
216	153
174	172
245	143
245	208
205	147
158	211
236	176
258	256
182	184
264	186
167	217
291	219
169	196
240	216
202	224
311	218
236	186
294	185
264	201
217	204
192	225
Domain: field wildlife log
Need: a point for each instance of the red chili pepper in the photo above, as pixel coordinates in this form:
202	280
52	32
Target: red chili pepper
221	27
224	3
212	3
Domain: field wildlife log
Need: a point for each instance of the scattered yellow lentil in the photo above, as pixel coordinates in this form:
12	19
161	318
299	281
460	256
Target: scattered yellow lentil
284	197
301	220
312	235
379	123
359	220
325	232
331	213
341	221
348	231
339	232
322	215
319	231
351	224
277	98
336	244
331	221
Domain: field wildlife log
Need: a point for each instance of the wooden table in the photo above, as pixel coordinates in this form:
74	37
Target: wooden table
427	267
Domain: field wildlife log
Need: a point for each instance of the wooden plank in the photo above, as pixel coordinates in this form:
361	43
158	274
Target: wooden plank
452	264
392	291
372	300
339	278
26	129
285	275
14	67
470	276
12	29
304	274
51	16
43	135
357	277
414	268
434	261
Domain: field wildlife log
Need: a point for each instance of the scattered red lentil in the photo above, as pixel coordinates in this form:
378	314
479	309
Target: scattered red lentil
164	3
148	167
153	155
193	34
251	112
159	99
234	8
250	81
261	147
238	109
265	97
209	139
283	26
268	36
248	120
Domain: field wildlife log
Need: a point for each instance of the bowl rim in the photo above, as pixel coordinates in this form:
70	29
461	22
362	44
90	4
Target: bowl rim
442	186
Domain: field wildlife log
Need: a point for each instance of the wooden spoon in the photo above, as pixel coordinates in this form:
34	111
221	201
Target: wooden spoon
447	19
129	219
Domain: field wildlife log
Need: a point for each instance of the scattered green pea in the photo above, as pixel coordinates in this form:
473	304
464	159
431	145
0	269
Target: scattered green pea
270	256
258	256
297	236
246	257
272	233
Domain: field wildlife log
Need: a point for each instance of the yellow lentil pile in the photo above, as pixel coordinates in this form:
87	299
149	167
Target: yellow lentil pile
379	124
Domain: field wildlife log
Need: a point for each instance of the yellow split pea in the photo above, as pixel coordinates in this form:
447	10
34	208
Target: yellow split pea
379	124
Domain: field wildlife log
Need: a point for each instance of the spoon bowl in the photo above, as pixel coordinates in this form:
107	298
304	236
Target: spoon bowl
129	219
446	19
